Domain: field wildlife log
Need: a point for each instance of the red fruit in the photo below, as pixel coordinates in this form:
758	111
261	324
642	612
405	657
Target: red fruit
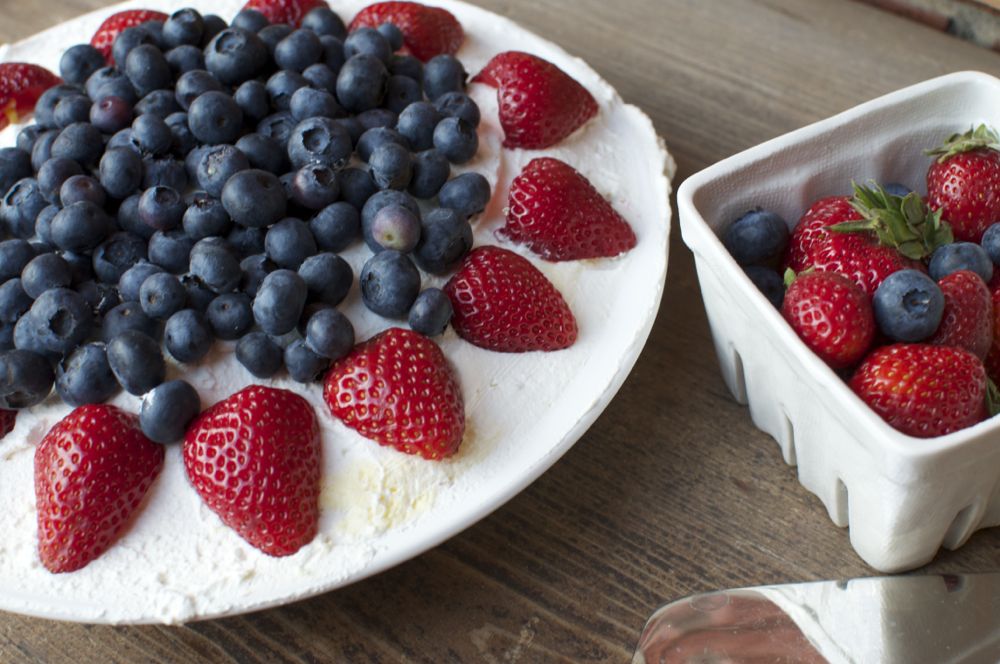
21	84
398	390
427	31
540	104
8	418
964	183
968	314
254	458
832	315
561	217
502	302
285	11
92	470
923	390
993	356
113	25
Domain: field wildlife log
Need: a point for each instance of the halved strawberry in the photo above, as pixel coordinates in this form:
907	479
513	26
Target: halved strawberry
540	104
21	84
504	303
92	470
254	458
967	321
113	25
427	31
285	11
398	389
964	182
559	215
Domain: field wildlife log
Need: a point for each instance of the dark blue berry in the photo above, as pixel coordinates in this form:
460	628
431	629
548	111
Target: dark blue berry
991	242
212	25
84	376
431	312
43	224
41	151
116	255
163	172
261	356
273	34
315	186
133	278
79	227
329	334
897	189
289	242
81	264
170	250
456	139
336	226
756	237
377	202
324	21
43	273
253	100
15	164
121	172
235	55
254	198
193	84
183	140
215	263
152	135
64	319
279	301
430	171
205	217
908	306
278	126
416	124
356	187
391	166
25	142
161	208
126	316
215	118
185	58
187	336
361	83
949	258
123	140
442	74
298	50
400	92
246	241
25	379
282	86
395	227
184	26
53	174
111	114
101	298
217	165
136	362
147	69
264	152
80	141
304	365
47	101
250	19
328	278
392	34
162	295
14	301
768	282
14	256
407	65
78	188
377	117
467	194
309	103
20	207
168	409
458	105
74	108
376	137
108	82
321	77
78	63
128	40
319	140
445	238
28	336
389	284
230	315
158	102
369	42
255	268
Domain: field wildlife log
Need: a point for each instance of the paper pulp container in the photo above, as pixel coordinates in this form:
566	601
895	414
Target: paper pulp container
902	497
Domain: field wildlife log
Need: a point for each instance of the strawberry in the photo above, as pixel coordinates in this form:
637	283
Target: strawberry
398	390
992	361
923	390
502	302
964	182
113	25
8	418
254	458
561	217
285	11
540	104
832	316
21	84
967	321
92	470
427	31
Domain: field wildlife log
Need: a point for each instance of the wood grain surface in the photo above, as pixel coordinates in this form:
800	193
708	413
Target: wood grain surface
673	491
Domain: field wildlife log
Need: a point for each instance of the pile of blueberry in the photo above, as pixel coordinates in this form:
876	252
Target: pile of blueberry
201	190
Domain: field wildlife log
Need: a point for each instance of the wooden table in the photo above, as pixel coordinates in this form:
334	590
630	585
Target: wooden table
673	491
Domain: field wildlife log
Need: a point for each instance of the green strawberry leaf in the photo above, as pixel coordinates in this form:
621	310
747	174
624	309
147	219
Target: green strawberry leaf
982	136
789	276
992	398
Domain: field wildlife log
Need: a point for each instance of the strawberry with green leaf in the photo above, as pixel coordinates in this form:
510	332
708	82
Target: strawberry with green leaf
964	183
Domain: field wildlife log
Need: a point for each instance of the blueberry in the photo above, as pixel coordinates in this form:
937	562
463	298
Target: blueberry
431	312
356	187
206	217
255	268
254	198
217	165
416	124
15	164
80	264
246	241
120	172
430	171
129	39
377	117
147	69
155	30
273	34
171	250
85	376
259	354
253	100
329	334
230	315
991	242
41	151
116	255
107	82
392	34
445	239
192	85
319	140
768	282
278	126
456	139
81	141
185	58
361	83
215	263
25	379
333	53
132	279
308	103
183	140
336	226
279	301
74	108
184	26
391	166
369	42
21	206
14	257
389	284
47	101
376	203
101	298
78	188
136	362
43	223
756	237
126	316
162	295
375	138
458	105
161	208
468	194
897	189
212	25
215	117
250	19
321	77
53	174
25	142
442	74
400	92
168	409
298	50
187	336
111	114
324	21
950	258
160	103
407	65
264	152
43	273
328	278
79	62
64	319
282	86
304	365
908	306
123	140
80	227
315	186
14	301
163	172
235	55
152	135
395	227
289	242
27	335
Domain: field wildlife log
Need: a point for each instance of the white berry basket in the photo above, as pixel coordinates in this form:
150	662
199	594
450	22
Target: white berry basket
902	497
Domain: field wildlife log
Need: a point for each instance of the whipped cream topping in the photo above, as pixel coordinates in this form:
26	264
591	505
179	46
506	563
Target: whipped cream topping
378	507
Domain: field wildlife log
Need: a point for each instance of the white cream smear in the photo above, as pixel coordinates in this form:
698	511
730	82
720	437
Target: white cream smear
378	507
